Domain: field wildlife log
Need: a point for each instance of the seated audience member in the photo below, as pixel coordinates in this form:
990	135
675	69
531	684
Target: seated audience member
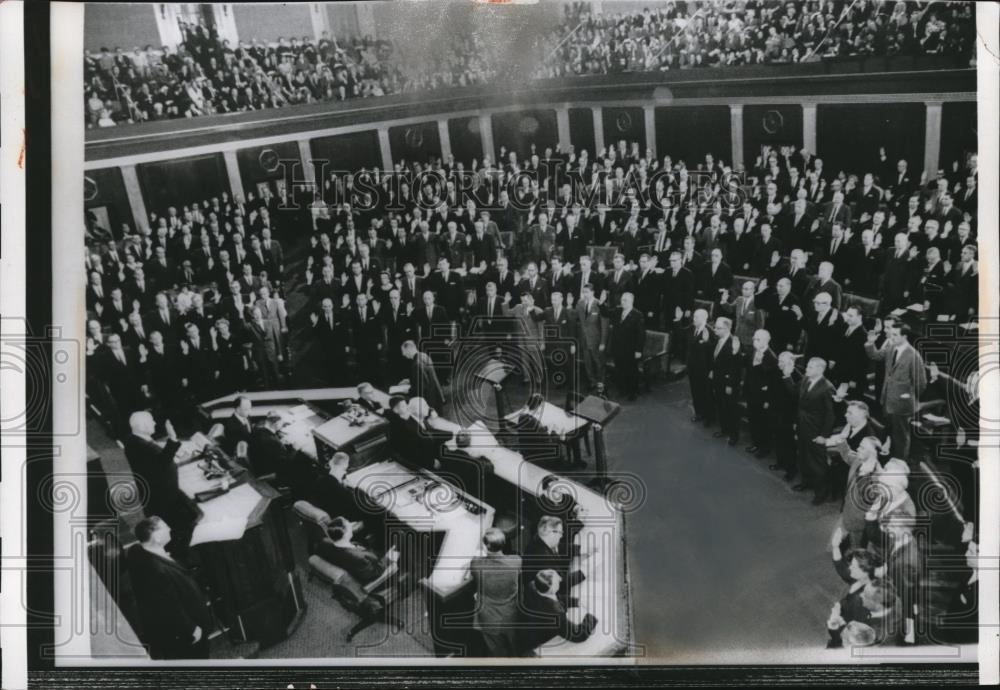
176	614
497	581
238	427
267	453
368	398
360	562
411	439
546	550
544	615
465	470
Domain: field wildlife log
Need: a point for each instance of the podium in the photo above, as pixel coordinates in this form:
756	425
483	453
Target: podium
598	412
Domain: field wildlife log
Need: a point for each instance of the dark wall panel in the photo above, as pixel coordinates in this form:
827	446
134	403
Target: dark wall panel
581	130
124	25
466	142
348	151
263	164
689	132
182	181
848	136
771	125
624	123
518	130
417	142
268	21
105	199
959	133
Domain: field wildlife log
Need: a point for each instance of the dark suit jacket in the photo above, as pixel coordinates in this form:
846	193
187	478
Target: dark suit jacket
497	578
545	618
816	417
360	563
335	498
171	604
235	432
628	336
712	285
726	367
760	379
155	467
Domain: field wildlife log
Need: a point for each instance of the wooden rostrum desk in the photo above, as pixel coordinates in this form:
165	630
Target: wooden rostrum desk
242	544
445	524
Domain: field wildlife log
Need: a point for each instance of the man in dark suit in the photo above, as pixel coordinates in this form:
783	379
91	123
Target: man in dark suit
399	327
266	452
332	343
628	338
156	473
545	617
852	360
586	276
592	336
122	373
648	290
238	427
784	316
366	330
715	277
534	285
619	280
761	375
745	313
823	327
328	491
447	288
815	424
360	562
548	549
700	344
782	415
725	374
165	319
867	265
176	614
899	278
423	378
497	581
561	335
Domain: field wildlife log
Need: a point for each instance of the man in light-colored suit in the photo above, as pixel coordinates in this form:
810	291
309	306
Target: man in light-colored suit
529	336
905	380
497	578
593	336
747	317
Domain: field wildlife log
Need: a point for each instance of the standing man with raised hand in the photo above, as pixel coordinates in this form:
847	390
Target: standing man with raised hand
815	424
725	375
904	382
628	338
593	337
700	346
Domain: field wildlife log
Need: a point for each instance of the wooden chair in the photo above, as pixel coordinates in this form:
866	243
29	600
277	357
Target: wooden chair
869	307
654	354
372	601
706	304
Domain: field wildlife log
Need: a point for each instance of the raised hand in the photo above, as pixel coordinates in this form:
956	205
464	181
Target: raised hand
314	318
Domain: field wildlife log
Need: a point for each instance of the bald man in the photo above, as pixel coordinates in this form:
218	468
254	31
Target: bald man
155	472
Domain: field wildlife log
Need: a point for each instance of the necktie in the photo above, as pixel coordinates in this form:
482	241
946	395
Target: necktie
718	347
121	357
895	356
490	311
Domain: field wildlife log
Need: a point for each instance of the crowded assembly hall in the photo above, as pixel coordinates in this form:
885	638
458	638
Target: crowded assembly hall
609	347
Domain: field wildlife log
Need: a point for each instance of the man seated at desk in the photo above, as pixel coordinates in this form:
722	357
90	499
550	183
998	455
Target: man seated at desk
411	439
267	453
237	427
545	616
554	499
368	398
360	562
544	552
329	492
467	472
